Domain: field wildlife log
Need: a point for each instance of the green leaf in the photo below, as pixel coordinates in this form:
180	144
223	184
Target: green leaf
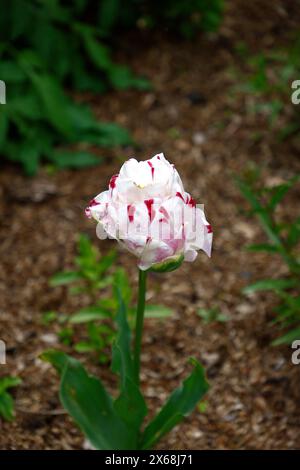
212	315
49	317
279	191
9	382
55	102
6	400
29	155
107	304
58	359
122	286
6	406
288	338
121	77
267	223
294	233
84	346
122	361
27	106
260	211
108	14
109	135
99	54
130	404
85	247
88	314
65	277
10	72
181	403
263	247
106	262
66	336
67	159
270	284
89	404
157	311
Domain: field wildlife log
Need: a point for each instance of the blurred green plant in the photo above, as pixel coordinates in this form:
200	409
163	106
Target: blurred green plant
184	17
268	78
212	315
95	275
45	45
282	239
6	400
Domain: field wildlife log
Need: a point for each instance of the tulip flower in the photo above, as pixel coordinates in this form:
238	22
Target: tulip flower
147	210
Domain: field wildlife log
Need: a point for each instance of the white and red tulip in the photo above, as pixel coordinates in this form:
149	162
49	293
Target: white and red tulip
147	210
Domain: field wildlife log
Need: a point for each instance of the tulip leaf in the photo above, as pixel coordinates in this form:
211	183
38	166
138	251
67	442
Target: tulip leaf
122	361
89	404
180	403
130	404
57	359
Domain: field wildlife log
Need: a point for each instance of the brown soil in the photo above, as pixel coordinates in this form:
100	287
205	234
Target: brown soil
255	390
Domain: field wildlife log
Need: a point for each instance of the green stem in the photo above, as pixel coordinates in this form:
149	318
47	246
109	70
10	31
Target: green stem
139	324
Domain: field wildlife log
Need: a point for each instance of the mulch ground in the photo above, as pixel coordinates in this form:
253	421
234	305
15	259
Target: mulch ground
203	127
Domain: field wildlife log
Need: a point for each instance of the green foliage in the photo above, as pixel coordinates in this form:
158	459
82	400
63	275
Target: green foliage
157	311
94	275
283	240
115	424
6	400
185	17
267	78
212	315
48	45
181	402
89	404
45	46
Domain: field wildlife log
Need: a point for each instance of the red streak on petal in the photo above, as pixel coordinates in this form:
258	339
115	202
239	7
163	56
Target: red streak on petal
192	202
93	203
152	168
149	239
209	229
158	157
151	212
178	194
163	211
112	182
130	212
